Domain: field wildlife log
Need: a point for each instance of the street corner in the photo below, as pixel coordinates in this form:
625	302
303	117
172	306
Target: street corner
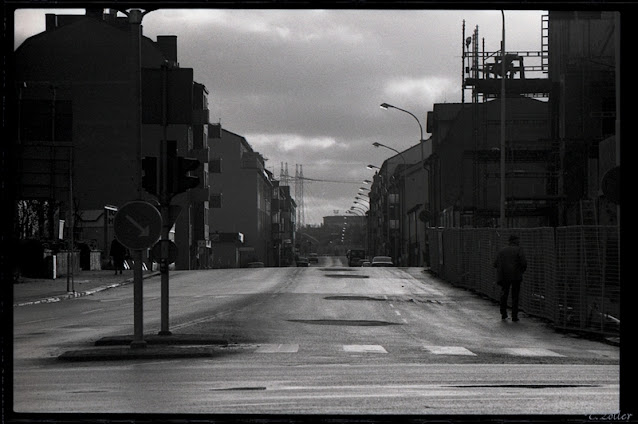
166	340
129	352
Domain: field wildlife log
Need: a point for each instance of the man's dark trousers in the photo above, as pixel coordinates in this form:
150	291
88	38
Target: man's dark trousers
516	289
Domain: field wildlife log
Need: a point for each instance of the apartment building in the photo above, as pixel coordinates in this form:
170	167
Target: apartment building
241	197
76	139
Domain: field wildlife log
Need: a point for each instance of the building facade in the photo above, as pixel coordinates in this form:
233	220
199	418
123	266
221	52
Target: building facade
76	138
241	196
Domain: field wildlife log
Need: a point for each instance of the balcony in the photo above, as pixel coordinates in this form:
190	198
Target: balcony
201	116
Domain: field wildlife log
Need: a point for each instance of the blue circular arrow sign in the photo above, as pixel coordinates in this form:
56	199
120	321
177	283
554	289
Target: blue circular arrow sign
137	225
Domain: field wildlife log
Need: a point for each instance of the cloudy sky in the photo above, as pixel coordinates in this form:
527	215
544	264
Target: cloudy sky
304	86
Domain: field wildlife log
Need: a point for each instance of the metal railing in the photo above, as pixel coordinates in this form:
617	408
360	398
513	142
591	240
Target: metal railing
572	278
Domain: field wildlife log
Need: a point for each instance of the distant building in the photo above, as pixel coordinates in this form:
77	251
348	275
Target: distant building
241	198
284	224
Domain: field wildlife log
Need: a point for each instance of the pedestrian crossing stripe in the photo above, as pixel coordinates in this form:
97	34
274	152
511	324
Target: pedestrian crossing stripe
449	350
278	348
434	350
364	348
534	351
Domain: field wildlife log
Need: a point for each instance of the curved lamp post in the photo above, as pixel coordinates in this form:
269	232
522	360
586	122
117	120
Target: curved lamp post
387	106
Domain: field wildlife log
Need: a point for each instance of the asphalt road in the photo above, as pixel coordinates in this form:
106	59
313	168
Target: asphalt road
326	339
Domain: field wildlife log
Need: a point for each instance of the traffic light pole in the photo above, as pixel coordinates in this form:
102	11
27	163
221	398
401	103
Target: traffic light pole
164	211
135	20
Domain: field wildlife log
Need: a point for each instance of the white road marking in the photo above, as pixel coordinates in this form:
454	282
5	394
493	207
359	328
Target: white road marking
397	312
531	351
449	350
278	348
364	348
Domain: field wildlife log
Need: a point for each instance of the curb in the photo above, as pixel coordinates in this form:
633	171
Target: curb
119	353
172	346
73	295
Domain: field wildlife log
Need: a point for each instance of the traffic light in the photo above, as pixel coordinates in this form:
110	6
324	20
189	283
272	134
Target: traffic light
178	179
149	179
184	181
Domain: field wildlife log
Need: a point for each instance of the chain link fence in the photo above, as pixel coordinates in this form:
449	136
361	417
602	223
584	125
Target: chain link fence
572	277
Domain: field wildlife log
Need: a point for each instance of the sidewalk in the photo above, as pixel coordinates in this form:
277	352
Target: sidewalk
30	291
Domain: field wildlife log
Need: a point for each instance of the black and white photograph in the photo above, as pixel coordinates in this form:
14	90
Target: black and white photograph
287	211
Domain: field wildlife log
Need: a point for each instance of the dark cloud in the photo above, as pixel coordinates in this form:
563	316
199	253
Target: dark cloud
304	86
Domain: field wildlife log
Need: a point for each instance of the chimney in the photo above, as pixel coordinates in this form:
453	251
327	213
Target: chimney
168	45
215	130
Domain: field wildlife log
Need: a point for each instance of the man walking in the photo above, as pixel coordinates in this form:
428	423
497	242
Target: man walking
118	254
510	264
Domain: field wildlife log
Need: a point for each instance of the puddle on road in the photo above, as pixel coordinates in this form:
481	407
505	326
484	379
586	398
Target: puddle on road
353	298
361	323
523	386
341	269
346	276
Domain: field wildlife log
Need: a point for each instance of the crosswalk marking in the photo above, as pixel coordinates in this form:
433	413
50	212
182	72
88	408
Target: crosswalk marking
437	350
278	348
531	351
364	348
449	350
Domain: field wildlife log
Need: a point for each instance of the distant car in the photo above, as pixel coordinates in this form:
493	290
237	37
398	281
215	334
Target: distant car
302	261
313	258
382	261
365	263
355	256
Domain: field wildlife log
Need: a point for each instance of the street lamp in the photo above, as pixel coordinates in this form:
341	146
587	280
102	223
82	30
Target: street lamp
387	106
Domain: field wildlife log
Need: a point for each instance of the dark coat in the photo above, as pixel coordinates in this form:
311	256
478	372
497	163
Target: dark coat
118	251
510	264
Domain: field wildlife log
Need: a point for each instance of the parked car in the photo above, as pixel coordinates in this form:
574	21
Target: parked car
365	263
302	261
313	257
382	261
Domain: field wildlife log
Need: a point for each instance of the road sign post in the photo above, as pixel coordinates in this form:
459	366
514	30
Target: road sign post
137	226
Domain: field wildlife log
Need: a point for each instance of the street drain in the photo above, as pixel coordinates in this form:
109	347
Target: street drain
352	298
361	323
237	389
346	276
